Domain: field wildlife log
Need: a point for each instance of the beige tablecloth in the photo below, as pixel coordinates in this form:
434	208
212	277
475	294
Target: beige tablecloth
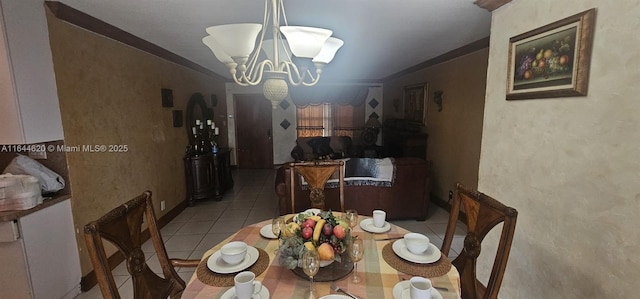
378	277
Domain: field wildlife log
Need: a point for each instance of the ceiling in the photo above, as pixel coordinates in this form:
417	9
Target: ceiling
382	37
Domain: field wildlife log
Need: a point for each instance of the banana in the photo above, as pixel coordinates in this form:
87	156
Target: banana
315	218
318	229
290	229
309	245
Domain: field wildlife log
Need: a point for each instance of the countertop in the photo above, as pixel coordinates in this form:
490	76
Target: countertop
48	201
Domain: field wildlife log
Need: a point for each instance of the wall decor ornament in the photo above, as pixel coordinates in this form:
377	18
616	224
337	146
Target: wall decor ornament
177	118
553	60
167	97
437	98
413	103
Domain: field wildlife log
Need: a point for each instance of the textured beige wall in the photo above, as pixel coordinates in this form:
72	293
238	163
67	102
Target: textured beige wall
110	94
569	165
455	132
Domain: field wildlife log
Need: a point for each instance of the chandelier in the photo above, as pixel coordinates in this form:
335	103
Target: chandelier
235	45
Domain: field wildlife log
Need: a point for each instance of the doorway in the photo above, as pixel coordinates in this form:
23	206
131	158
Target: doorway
254	134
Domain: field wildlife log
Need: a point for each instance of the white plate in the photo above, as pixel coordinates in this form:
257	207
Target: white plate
401	291
266	232
312	211
218	265
431	255
367	225
335	296
231	294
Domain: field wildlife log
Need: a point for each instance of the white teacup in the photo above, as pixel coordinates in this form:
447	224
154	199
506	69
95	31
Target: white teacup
246	285
233	252
379	217
416	243
420	288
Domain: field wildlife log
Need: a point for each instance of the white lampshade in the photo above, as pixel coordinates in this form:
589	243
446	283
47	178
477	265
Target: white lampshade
305	42
216	49
236	40
267	47
328	50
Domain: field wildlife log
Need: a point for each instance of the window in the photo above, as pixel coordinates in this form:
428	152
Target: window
329	120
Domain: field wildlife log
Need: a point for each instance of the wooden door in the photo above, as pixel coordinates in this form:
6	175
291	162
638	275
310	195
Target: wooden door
253	131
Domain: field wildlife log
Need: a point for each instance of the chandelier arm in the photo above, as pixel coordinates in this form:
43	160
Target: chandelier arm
313	81
291	68
247	81
256	53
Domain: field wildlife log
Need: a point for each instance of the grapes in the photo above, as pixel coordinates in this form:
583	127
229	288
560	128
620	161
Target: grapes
525	64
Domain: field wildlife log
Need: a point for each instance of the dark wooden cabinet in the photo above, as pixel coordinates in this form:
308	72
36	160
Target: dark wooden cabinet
207	175
405	144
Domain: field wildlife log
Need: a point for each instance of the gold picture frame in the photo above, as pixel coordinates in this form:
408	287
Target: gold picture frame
553	60
414	103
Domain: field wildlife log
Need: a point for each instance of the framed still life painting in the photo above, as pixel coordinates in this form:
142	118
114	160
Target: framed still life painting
553	60
414	102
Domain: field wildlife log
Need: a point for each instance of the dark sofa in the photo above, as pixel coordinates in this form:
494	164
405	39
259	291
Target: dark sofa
407	198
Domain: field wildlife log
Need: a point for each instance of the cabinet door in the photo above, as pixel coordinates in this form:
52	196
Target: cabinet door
29	109
52	251
203	176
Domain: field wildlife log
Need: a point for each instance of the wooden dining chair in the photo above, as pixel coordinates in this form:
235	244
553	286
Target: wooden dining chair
482	214
122	227
316	174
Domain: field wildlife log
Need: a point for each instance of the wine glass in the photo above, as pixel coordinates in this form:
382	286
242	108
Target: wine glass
277	225
351	216
356	251
310	266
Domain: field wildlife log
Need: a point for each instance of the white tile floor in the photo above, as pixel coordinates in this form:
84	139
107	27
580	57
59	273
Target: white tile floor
251	200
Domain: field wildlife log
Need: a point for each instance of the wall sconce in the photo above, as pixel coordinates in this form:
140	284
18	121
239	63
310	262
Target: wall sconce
437	98
167	97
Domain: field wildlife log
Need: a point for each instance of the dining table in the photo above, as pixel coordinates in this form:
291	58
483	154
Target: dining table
380	270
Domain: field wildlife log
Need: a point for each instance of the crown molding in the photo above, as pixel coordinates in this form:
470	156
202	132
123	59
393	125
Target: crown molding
491	5
464	50
71	15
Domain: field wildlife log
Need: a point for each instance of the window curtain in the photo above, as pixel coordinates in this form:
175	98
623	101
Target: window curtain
348	120
310	120
330	110
315	95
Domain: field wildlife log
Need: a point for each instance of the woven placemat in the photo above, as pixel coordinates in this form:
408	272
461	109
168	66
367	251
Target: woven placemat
226	280
438	268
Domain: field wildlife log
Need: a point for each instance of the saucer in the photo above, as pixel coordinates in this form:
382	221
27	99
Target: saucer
266	232
367	225
431	255
216	264
231	294
401	291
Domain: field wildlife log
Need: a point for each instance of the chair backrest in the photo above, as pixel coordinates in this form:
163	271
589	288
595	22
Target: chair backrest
316	174
122	227
482	214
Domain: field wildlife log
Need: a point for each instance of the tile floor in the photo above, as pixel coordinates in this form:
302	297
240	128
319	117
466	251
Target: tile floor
251	200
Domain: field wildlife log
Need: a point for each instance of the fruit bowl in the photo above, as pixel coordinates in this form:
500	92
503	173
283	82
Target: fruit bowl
309	231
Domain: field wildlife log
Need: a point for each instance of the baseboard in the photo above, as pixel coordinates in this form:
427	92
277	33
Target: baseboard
440	202
90	280
447	207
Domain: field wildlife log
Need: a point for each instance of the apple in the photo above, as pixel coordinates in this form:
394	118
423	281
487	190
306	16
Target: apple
309	223
327	229
564	59
307	232
528	74
339	231
542	62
